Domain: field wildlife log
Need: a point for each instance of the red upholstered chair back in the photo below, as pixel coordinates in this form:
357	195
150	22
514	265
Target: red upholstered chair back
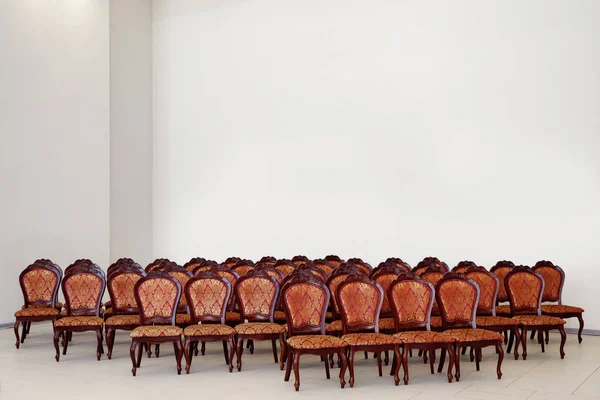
525	288
285	266
359	300
257	293
398	262
157	296
433	275
182	275
121	262
457	298
365	266
462	266
554	279
243	266
83	287
208	295
39	284
337	277
270	269
193	263
231	261
324	266
299	259
205	265
501	269
121	283
411	298
156	264
384	275
429	262
304	298
488	289
334	260
268	260
232	277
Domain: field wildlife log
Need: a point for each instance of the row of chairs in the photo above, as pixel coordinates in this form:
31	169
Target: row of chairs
84	278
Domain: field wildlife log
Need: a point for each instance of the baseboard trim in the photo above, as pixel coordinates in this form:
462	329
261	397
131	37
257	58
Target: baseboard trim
12	324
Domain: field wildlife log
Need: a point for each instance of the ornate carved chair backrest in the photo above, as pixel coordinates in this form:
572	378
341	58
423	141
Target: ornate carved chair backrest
83	262
156	263
121	283
365	266
256	294
193	263
411	298
243	266
525	288
309	266
232	277
337	277
285	266
334	260
208	295
359	300
462	266
324	266
297	260
384	275
205	265
501	269
433	275
120	263
268	260
83	287
398	262
305	298
554	279
182	275
39	284
488	289
231	261
270	269
429	262
457	298
157	296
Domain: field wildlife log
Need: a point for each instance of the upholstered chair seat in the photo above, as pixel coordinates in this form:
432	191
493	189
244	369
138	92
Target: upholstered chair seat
539	320
334	326
279	316
79	321
370	339
436	322
314	342
424	337
122	320
155	331
36	312
182	319
208	330
232	316
473	335
560	309
259	328
503	310
483	321
386	324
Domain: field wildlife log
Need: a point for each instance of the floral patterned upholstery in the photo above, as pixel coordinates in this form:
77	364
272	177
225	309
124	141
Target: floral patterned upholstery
279	316
333	284
553	282
285	269
83	290
359	301
412	299
305	303
156	331
183	278
386	324
259	328
208	330
525	290
181	319
313	342
501	274
207	296
424	337
79	321
487	289
37	312
385	281
435	322
560	309
122	286
458	299
537	320
242	270
334	326
503	310
157	297
495	321
473	335
256	295
433	278
121	320
40	285
232	278
370	339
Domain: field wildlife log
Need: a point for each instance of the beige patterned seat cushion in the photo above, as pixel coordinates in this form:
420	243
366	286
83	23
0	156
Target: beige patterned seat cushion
156	331
495	321
79	321
537	320
370	339
560	309
421	337
208	330
313	342
37	312
386	324
259	328
123	320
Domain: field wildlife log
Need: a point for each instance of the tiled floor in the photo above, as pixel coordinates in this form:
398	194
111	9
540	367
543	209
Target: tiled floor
32	372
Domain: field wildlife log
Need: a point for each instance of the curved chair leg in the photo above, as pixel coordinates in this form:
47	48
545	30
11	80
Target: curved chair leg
386	358
240	344
580	319
225	352
188	353
443	357
231	351
178	354
541	340
100	349
500	351
432	361
344	365
56	336
274	347
405	362
351	366
157	350
451	360
396	364
457	362
532	334
297	370
547	337
109	341
563	339
203	348
283	354
379	368
326	368
524	342
16	328
66	342
140	350
511	340
23	331
517	338
288	367
134	344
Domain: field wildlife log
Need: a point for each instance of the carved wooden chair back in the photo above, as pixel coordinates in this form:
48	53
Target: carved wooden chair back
384	275
39	284
525	288
554	279
488	289
121	283
157	295
257	293
83	287
501	269
208	295
457	298
305	298
359	300
411	298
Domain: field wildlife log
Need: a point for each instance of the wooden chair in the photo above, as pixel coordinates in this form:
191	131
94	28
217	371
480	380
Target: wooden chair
337	277
39	284
309	266
359	300
501	269
334	260
232	317
268	260
411	300
121	262
208	296
305	299
300	259
157	295
285	266
231	261
398	262
324	266
125	312
83	287
525	289
554	278
429	262
462	266
256	293
457	298
365	266
205	265
193	263
486	307
156	263
243	266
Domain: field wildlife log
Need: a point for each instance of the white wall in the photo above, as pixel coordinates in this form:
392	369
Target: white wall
54	125
131	130
465	130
